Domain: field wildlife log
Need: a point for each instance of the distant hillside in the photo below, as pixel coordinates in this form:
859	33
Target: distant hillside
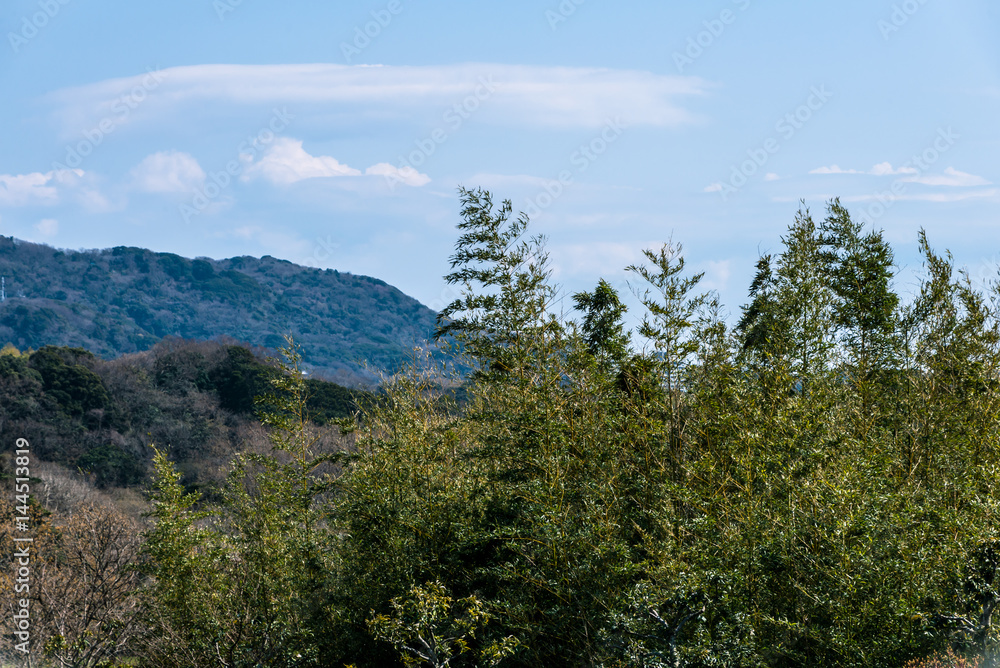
124	300
193	398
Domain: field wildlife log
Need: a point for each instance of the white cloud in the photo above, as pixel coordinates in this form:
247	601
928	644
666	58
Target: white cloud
886	169
714	188
505	94
36	187
287	162
951	178
406	175
770	176
48	227
925	197
168	172
834	169
881	169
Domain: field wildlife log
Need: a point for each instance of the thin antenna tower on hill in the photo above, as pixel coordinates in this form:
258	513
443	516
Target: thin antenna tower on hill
3	288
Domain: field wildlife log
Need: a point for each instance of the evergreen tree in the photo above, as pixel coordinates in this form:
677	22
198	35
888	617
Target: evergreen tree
603	329
860	268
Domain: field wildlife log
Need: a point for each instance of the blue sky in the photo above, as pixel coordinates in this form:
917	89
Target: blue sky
336	134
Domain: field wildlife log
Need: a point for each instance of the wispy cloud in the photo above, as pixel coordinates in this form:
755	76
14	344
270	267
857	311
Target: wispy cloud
834	169
886	169
951	178
926	197
881	169
524	95
48	227
168	172
406	175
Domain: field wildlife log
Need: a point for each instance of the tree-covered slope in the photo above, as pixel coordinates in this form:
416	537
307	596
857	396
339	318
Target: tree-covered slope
124	300
194	399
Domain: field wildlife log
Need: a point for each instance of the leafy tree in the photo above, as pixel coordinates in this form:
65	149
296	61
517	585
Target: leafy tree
865	309
603	329
501	314
762	326
249	588
430	628
75	387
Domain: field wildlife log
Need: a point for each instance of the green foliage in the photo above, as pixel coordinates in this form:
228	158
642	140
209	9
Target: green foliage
32	325
112	466
603	329
76	388
503	277
99	416
329	402
239	379
428	627
817	487
248	587
126	300
806	492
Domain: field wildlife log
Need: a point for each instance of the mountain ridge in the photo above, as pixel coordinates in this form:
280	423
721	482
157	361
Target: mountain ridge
124	299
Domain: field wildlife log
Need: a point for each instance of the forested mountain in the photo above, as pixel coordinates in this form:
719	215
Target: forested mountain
124	300
194	399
